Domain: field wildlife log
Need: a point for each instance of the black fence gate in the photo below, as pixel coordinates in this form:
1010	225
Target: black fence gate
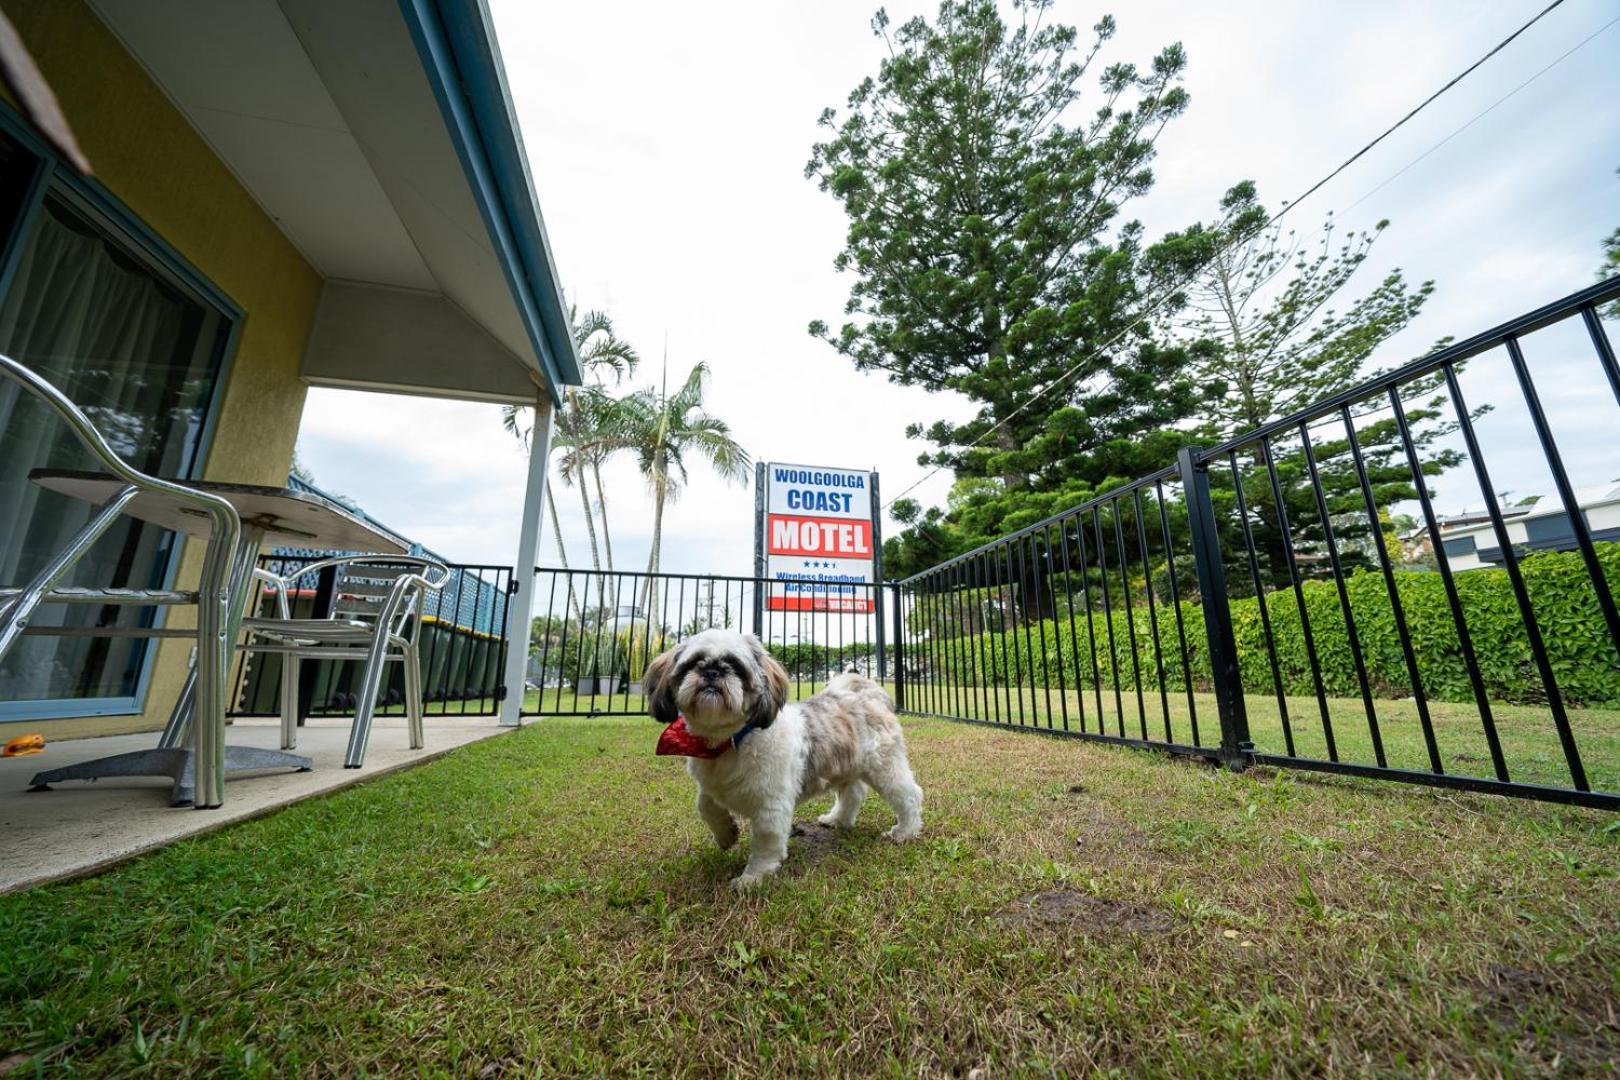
595	631
1261	602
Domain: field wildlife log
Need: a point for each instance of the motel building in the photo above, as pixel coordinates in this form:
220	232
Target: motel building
283	194
1470	543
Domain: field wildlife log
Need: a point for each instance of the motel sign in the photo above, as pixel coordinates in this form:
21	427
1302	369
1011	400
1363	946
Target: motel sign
818	538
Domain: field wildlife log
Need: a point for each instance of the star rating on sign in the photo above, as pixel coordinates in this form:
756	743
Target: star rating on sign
816	564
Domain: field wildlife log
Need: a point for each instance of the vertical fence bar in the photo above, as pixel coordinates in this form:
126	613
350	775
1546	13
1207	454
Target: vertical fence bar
1074	638
1129	605
1566	492
1091	624
1260	602
1236	746
1009	610
1605	351
1153	614
1299	598
899	649
562	647
1108	617
947	644
1057	635
1510	562
964	644
1175	603
1356	658
1021	598
986	645
942	695
1398	609
1038	577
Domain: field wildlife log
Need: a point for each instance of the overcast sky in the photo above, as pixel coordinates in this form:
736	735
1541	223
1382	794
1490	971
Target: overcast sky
668	142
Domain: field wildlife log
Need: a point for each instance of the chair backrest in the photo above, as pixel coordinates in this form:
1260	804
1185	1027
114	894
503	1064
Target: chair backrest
17	606
363	587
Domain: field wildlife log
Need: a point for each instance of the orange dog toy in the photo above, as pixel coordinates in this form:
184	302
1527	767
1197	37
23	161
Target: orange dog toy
23	745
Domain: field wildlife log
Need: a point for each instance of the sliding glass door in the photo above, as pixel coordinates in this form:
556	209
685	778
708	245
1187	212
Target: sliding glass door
90	308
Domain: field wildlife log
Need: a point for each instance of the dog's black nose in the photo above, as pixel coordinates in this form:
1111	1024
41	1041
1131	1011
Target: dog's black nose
711	672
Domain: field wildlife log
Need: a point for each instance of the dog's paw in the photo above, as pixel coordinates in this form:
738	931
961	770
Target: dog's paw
727	837
829	820
900	836
746	883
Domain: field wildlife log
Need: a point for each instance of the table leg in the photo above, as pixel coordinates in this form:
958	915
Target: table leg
176	763
198	770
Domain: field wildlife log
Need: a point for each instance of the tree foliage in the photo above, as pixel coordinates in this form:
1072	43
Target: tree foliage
989	248
1288	336
663	430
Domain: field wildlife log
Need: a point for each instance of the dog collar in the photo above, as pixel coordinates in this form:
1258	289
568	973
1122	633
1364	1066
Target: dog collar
677	740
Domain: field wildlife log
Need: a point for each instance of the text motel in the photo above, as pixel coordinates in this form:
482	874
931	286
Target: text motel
820	536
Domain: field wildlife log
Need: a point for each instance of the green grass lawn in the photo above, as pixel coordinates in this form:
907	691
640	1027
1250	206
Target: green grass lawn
1528	735
547	902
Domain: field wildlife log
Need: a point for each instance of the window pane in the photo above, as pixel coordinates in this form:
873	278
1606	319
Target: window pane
1550	531
1463	545
140	357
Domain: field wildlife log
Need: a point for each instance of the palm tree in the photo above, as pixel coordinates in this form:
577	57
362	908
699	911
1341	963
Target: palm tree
577	431
663	430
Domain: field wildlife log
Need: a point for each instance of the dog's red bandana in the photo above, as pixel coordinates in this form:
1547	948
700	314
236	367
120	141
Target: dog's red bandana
677	741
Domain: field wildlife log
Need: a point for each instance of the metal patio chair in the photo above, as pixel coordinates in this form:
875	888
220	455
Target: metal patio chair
376	619
213	597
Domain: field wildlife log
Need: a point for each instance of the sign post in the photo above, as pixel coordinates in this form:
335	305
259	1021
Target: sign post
817	545
759	550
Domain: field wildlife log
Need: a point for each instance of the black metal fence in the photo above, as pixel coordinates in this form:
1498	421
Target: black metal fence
597	630
463	648
1266	601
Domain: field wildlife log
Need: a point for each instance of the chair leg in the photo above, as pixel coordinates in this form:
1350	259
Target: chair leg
371	679
413	695
289	701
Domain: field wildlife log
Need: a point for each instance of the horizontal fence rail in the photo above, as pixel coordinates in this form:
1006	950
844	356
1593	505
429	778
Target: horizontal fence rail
463	648
1257	602
596	630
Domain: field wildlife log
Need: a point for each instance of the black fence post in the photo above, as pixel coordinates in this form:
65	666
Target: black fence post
1236	746
876	592
761	587
899	652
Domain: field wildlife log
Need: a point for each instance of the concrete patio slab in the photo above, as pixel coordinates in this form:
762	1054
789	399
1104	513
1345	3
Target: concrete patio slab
81	827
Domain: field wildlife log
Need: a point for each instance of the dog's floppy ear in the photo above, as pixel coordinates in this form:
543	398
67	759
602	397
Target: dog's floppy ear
659	687
773	691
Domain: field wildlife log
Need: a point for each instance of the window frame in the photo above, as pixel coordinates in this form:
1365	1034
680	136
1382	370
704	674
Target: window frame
109	212
1460	553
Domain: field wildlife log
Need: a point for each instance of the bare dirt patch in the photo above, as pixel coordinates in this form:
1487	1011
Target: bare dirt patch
1511	995
1056	909
811	833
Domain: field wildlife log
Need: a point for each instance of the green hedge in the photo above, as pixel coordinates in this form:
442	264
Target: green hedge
1583	658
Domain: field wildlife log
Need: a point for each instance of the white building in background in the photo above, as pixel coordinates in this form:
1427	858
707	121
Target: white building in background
1470	542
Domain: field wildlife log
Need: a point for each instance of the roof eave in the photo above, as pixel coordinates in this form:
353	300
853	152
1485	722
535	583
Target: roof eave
456	42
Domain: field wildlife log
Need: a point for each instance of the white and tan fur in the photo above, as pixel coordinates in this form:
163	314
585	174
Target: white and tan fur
843	739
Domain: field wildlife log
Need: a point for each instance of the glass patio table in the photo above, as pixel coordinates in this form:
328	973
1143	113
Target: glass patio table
268	514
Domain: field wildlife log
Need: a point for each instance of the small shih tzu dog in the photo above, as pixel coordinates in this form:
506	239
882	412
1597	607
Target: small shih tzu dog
755	756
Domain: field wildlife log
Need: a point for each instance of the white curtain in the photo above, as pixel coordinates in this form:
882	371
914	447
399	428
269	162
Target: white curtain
139	358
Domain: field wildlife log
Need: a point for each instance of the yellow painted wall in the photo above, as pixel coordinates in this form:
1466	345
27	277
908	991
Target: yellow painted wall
144	151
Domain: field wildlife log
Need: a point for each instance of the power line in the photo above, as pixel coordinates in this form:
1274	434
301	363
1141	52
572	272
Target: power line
1572	50
1170	292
